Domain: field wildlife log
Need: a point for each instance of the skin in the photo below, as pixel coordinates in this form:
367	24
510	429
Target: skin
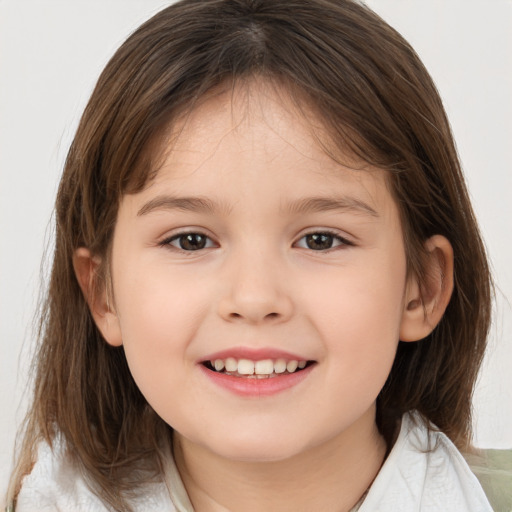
258	284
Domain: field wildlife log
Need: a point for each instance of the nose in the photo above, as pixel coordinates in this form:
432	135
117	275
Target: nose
255	291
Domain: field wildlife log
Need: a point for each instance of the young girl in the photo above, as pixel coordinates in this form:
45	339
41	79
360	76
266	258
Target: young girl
269	292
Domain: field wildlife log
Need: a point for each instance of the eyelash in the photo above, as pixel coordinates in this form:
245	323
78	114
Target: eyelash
168	241
343	242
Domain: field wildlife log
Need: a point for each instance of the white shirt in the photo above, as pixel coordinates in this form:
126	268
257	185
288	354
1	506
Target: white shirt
423	473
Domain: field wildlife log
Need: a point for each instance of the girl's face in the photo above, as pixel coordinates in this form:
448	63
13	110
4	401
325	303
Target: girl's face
253	248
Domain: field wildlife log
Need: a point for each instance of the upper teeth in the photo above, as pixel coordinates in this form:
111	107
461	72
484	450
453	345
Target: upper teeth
262	367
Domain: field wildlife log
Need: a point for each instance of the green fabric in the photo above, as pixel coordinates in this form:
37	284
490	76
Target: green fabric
493	468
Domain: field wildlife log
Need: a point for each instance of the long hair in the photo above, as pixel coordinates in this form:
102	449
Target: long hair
374	96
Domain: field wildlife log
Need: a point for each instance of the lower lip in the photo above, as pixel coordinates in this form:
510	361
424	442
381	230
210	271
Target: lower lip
254	387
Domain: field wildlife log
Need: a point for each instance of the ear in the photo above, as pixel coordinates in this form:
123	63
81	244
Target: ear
86	270
425	304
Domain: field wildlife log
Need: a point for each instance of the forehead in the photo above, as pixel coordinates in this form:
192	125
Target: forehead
257	135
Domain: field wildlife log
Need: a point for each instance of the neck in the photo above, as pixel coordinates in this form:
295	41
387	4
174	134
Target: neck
331	477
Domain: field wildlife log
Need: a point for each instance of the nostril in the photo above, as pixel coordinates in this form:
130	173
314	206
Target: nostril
269	315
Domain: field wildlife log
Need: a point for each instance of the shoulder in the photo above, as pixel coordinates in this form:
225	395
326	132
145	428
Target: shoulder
56	484
425	472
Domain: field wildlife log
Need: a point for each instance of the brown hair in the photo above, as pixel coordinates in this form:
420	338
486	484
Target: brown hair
373	94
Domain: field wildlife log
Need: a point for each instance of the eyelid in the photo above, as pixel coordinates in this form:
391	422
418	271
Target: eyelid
345	241
166	241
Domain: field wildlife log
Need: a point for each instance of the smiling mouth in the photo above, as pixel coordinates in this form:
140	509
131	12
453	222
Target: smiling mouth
261	369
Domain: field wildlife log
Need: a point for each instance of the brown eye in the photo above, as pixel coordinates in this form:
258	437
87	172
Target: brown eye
189	242
322	241
192	242
319	241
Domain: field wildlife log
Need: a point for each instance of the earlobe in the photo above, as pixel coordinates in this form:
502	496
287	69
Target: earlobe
425	303
86	268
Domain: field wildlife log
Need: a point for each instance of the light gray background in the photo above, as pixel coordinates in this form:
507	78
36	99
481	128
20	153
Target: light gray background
51	53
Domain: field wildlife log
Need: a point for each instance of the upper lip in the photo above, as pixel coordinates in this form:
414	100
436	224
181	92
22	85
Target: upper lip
254	354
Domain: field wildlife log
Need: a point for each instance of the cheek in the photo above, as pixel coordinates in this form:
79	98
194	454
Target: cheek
157	301
359	312
362	297
158	321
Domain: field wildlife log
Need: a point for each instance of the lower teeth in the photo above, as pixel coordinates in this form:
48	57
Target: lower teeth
254	376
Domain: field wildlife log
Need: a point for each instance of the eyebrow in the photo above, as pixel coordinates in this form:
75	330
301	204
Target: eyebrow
192	204
300	206
322	204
